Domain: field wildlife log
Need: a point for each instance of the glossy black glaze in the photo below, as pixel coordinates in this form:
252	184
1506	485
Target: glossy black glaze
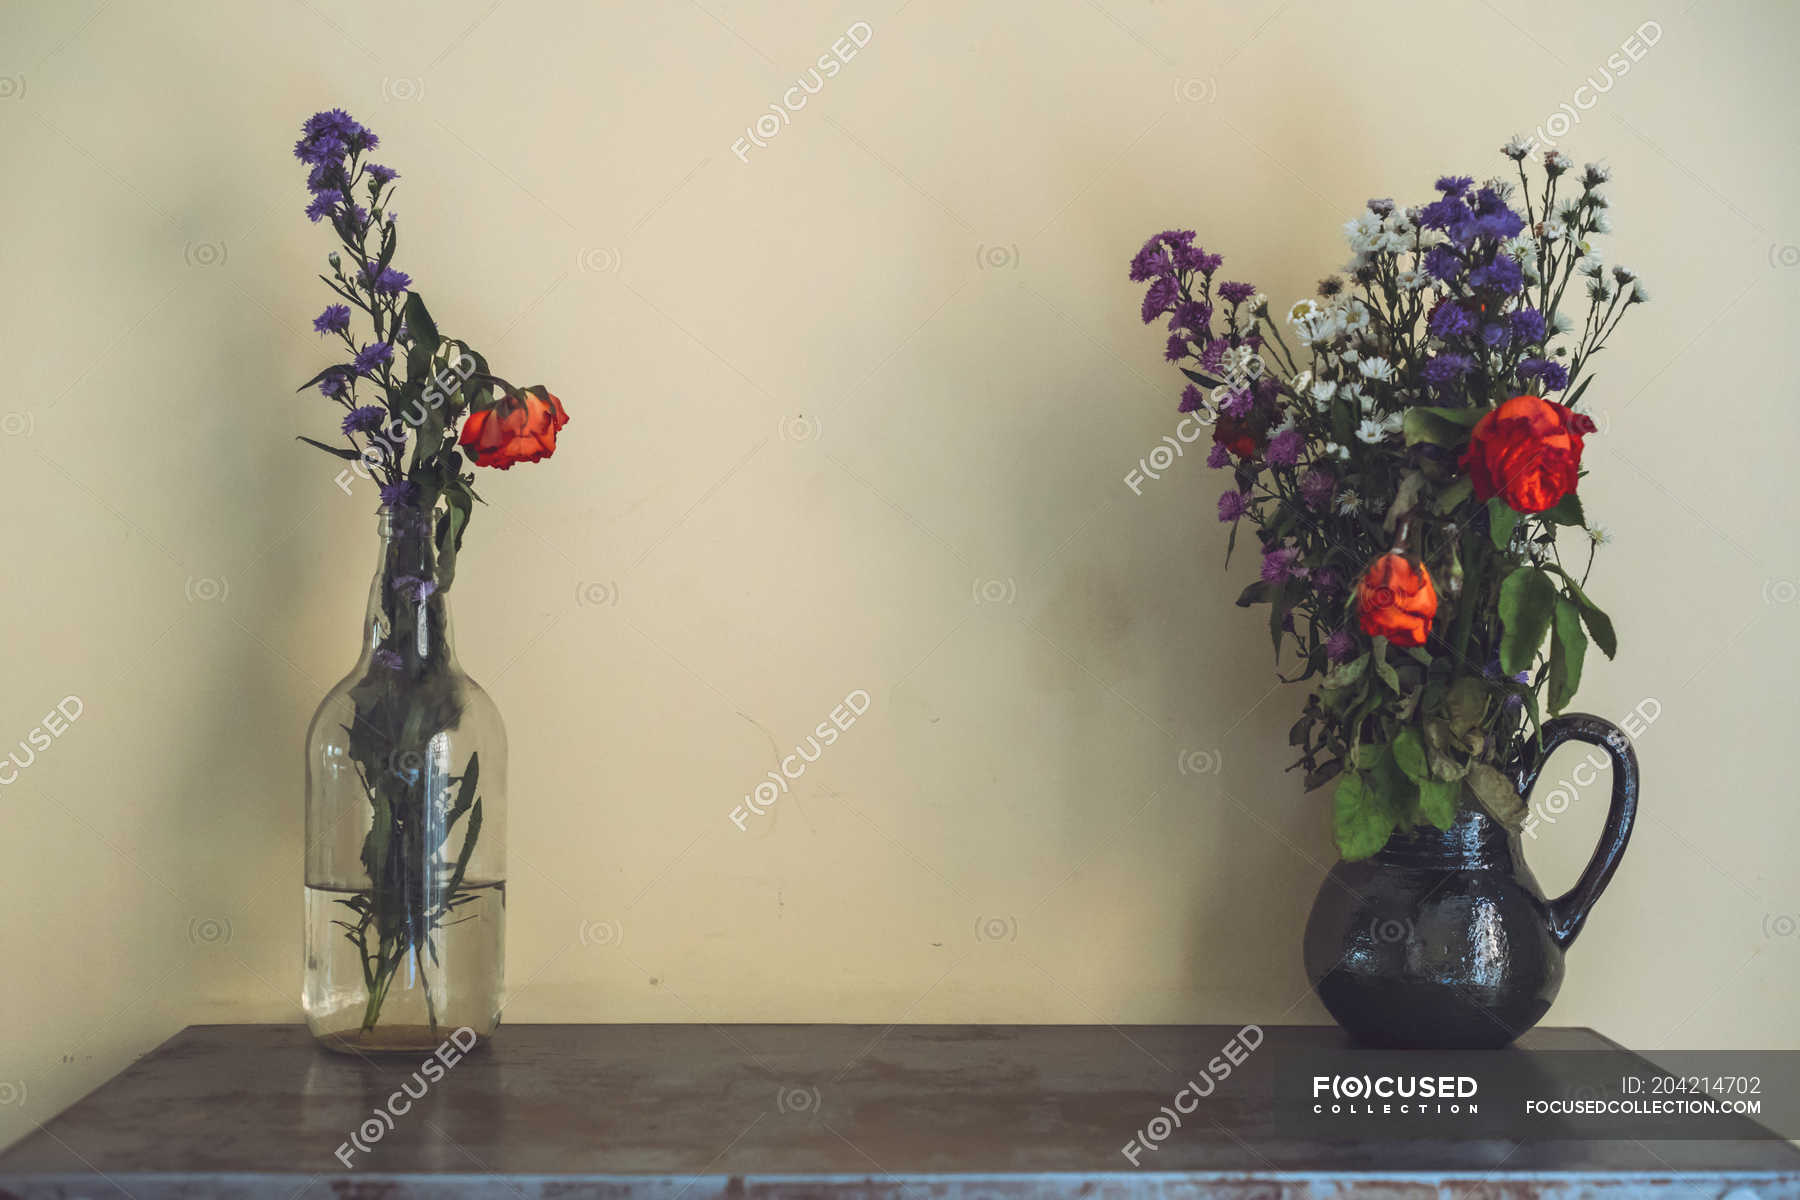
1444	939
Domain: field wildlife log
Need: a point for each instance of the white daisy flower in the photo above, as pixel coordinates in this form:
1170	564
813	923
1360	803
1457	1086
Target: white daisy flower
1370	431
1600	535
1323	393
1413	280
1602	222
1302	312
1561	322
1341	453
1393	423
1347	500
1356	317
1555	229
1556	162
1639	293
1518	147
1362	232
1376	369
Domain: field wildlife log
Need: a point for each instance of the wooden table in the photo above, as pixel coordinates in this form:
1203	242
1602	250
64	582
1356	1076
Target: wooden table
697	1111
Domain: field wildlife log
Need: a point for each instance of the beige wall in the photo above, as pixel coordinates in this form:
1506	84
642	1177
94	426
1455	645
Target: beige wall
854	413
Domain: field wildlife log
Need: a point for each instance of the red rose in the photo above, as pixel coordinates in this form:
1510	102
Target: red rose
1395	600
514	430
1236	436
1527	451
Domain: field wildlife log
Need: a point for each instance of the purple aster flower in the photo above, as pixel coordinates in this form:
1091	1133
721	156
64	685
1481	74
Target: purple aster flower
1382	206
1500	274
1495	334
1493	219
403	494
373	357
326	148
1151	262
1284	449
382	175
1236	293
326	177
1177	349
1316	487
1326	582
388	659
336	381
1278	565
1161	296
1441	262
1218	456
1212	356
1191	399
323	205
1196	259
1237	403
366	419
389	282
335	319
1554	375
1454	185
413	587
1232	505
1528	326
1445	370
1449	321
1340	646
1192	315
1444	214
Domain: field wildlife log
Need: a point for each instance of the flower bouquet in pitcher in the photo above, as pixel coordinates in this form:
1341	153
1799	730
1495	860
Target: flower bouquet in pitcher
1407	448
406	757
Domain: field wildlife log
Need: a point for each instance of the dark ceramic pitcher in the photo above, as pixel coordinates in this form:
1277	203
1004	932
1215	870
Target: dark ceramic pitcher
1443	939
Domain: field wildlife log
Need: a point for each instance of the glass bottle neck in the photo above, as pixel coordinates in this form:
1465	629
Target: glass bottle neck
407	627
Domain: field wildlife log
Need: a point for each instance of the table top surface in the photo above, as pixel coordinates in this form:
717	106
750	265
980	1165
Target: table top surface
703	1110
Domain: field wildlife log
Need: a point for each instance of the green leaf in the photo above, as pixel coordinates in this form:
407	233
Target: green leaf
1503	518
465	792
1345	674
334	451
1437	800
1496	793
1567	650
1453	495
1323	774
1203	380
1409	753
1383	668
1567	511
1467	705
1256	593
1279	603
1599	625
1406	498
1527	600
1572	401
1361	821
451	523
1429	425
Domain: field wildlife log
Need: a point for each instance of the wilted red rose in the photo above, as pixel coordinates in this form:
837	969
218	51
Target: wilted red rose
1395	600
1236	436
1527	451
519	429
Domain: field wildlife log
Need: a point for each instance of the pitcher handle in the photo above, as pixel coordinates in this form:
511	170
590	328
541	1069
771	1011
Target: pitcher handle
1568	912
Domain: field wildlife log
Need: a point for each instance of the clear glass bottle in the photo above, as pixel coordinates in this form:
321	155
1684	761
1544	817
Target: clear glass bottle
405	826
